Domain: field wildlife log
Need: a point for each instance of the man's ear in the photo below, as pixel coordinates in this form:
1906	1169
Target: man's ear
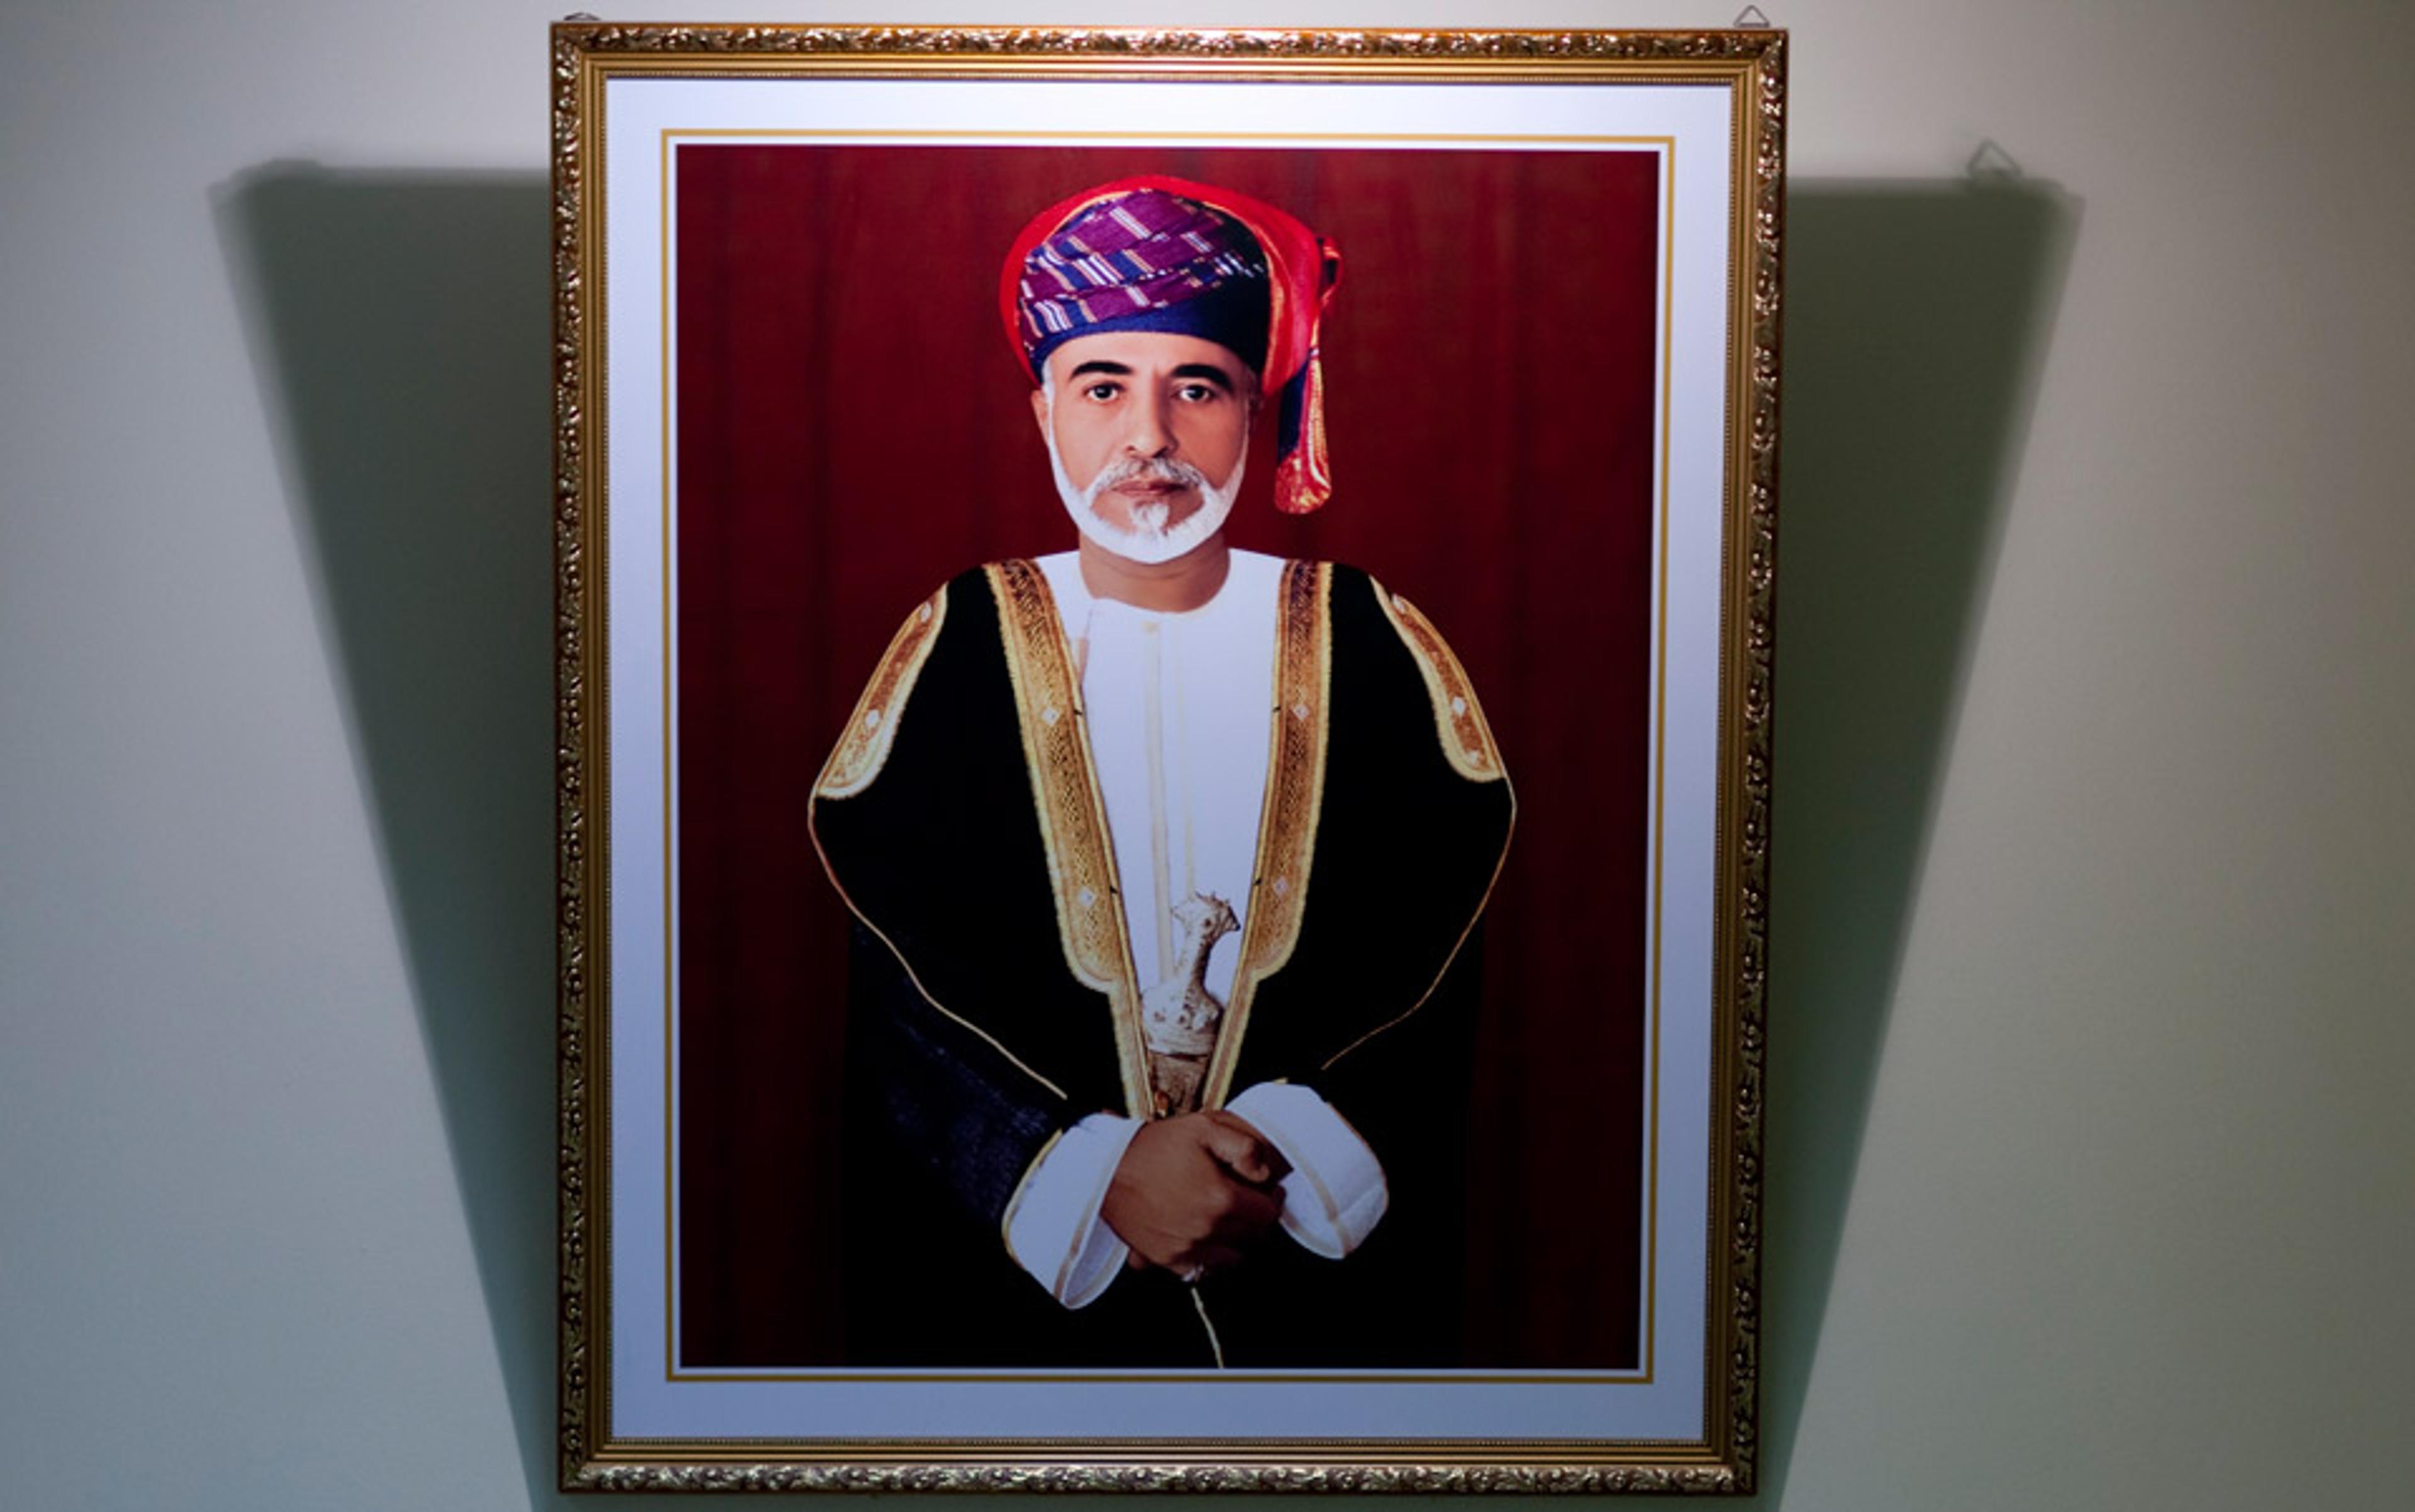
1040	411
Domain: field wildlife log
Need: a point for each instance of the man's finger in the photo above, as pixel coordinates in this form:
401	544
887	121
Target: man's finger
1276	1167
1237	1147
1248	1214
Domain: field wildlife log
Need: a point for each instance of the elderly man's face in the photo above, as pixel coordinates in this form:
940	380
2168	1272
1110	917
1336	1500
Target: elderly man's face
1162	420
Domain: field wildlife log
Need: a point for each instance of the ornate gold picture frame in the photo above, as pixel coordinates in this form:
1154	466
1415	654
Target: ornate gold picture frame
1539	386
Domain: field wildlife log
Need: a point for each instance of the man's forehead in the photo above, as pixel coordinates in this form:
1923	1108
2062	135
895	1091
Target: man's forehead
1147	352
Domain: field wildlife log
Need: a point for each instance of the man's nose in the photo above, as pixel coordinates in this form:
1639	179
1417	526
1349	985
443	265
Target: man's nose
1152	430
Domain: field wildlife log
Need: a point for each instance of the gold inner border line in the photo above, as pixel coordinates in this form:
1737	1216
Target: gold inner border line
1660	781
672	1372
670	852
1109	138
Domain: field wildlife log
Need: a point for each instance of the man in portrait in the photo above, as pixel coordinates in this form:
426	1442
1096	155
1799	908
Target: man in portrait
1166	861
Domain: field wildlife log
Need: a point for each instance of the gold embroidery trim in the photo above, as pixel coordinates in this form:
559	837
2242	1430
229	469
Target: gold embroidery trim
864	745
1459	721
1287	817
1073	816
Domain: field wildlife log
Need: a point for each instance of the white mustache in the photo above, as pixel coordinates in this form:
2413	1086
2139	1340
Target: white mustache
1146	469
1151	538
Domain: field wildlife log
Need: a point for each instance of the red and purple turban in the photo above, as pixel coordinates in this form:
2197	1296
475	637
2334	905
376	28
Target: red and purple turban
1164	254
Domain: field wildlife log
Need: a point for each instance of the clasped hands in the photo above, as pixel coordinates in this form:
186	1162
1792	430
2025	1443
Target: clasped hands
1194	1191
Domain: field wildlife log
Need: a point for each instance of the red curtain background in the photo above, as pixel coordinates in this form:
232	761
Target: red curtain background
852	430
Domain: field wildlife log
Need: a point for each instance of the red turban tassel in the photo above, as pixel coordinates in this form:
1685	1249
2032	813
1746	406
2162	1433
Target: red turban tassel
1303	468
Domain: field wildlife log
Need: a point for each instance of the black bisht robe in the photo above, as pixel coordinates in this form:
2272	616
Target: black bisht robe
991	1004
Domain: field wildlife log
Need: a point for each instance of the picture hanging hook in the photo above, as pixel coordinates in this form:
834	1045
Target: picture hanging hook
1991	162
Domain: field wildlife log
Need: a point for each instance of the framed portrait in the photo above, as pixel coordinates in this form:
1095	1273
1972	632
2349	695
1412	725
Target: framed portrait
1164	648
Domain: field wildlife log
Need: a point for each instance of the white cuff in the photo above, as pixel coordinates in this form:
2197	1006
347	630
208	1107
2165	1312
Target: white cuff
1335	1193
1052	1222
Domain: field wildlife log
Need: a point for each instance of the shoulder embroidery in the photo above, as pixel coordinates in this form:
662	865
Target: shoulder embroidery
1294	801
1073	816
864	745
1459	721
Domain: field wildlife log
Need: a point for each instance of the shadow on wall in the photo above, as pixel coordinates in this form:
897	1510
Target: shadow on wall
1918	317
400	327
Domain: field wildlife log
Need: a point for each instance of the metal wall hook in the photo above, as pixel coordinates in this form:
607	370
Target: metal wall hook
1991	161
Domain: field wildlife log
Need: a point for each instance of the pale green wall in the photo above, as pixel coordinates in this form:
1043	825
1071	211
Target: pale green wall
2091	1178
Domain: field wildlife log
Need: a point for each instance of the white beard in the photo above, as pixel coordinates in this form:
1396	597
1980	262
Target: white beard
1150	540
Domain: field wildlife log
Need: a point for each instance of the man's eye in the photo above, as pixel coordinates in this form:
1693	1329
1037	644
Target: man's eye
1102	392
1197	393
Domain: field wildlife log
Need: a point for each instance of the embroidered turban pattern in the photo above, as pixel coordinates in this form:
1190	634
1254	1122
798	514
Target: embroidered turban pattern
1145	261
